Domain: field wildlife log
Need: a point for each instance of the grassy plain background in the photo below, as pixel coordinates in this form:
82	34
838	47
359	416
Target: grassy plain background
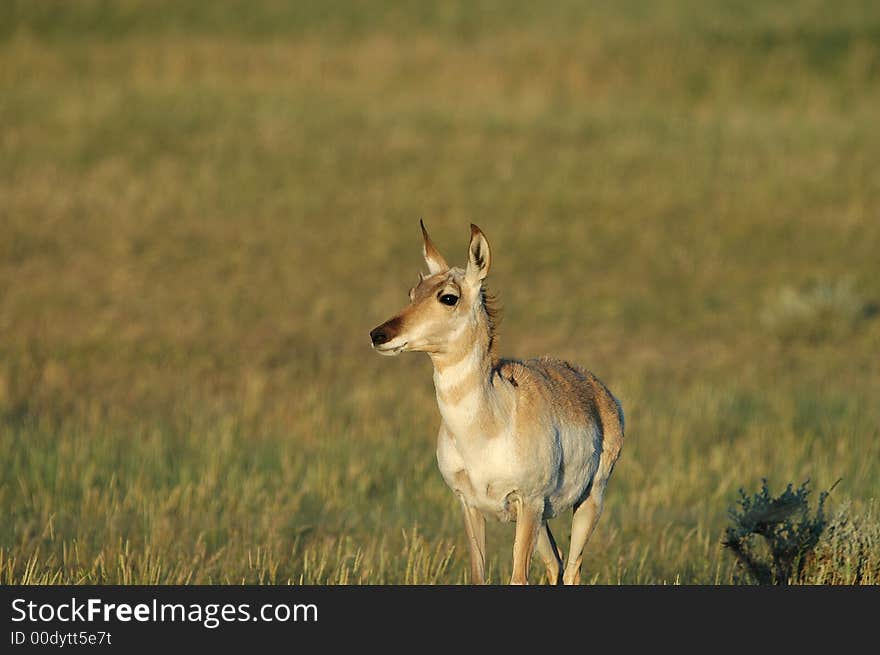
205	207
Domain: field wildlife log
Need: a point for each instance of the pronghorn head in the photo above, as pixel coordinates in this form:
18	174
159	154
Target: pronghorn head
442	305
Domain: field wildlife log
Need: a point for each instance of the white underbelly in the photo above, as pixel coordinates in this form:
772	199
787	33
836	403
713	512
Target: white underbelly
484	478
556	472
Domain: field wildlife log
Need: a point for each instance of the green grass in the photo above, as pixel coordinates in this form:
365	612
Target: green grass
205	207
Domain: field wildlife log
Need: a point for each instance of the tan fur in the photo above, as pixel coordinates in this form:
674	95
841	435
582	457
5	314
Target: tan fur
519	439
571	391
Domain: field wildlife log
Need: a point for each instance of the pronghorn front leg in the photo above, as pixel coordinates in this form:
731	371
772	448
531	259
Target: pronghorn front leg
528	522
475	526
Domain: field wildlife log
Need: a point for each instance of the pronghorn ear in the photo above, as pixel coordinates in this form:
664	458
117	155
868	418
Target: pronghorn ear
433	258
478	256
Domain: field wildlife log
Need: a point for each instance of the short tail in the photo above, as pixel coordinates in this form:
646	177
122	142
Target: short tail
619	413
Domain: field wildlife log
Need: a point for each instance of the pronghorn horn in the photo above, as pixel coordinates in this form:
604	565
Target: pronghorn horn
435	261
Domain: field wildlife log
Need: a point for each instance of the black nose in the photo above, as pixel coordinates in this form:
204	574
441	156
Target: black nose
378	336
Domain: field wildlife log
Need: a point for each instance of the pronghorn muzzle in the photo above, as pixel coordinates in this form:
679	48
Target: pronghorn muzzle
379	335
388	331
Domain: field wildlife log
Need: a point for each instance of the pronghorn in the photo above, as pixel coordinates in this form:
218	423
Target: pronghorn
519	440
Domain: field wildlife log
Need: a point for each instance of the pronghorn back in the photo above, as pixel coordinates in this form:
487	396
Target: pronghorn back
575	394
572	400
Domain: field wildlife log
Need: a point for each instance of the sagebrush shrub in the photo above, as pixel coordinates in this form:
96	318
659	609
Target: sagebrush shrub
788	532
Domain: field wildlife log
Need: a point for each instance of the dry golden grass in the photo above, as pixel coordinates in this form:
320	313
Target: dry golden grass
205	208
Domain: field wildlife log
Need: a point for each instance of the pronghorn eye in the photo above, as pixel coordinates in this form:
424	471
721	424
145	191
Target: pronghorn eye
448	299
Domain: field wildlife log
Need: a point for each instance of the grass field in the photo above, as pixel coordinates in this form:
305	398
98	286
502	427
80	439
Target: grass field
205	207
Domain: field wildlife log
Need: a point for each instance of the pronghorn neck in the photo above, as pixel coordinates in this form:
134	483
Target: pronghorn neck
462	378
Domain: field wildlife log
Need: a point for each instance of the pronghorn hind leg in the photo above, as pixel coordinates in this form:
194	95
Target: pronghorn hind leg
528	525
475	526
550	554
582	524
